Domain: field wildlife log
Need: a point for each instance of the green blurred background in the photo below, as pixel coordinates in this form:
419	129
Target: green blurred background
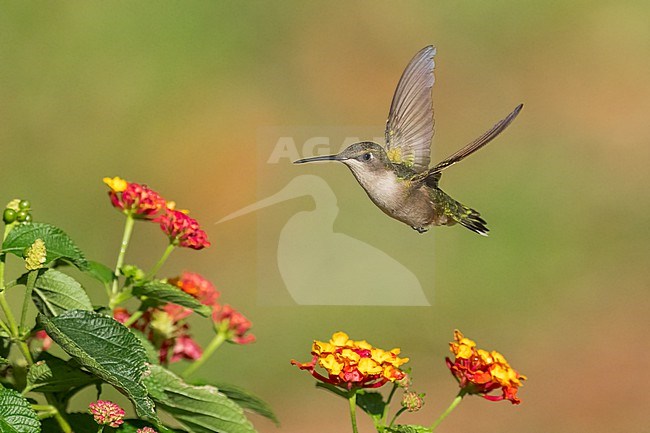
174	94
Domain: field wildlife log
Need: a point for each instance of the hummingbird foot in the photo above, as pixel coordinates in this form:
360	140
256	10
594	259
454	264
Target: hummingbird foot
420	229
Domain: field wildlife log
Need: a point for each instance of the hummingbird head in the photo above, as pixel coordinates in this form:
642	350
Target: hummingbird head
366	160
365	156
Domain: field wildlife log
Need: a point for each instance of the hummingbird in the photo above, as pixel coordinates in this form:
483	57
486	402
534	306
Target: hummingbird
397	178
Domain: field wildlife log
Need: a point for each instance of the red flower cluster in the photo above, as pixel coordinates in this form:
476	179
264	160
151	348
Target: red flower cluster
183	230
197	286
167	329
107	413
135	199
481	372
237	324
143	203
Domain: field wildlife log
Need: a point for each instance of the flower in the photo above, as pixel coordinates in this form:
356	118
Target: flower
185	348
35	255
167	331
46	341
134	199
183	230
146	430
481	372
233	323
197	286
106	413
353	364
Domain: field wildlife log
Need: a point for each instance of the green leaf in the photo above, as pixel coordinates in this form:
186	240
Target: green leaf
100	272
162	292
371	402
52	374
199	409
408	429
57	242
56	292
336	390
16	414
107	349
247	400
152	353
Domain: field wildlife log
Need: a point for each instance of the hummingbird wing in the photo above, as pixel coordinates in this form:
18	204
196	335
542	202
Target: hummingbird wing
478	143
409	128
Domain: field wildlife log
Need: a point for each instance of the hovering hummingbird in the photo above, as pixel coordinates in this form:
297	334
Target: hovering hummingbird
398	178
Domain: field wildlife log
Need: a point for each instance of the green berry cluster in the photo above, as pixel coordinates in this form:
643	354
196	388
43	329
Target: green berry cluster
17	211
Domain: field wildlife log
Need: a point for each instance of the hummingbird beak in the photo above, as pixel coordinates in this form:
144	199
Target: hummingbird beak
318	158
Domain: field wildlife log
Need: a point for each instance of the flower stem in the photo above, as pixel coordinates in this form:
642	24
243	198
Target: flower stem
126	237
29	287
386	407
63	423
398	413
217	341
134	318
451	407
353	412
161	262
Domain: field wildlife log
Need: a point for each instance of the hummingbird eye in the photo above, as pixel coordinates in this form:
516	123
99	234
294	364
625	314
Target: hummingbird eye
366	156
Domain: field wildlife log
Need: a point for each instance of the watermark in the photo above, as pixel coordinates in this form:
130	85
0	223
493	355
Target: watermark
301	257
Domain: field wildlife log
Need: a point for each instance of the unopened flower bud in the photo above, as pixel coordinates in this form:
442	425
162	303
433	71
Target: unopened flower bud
412	401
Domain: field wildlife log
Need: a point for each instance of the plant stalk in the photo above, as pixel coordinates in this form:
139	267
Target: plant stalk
217	341
451	407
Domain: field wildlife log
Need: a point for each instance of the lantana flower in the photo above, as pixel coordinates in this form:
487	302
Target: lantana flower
183	230
134	199
353	364
166	329
106	413
481	372
196	285
145	430
234	323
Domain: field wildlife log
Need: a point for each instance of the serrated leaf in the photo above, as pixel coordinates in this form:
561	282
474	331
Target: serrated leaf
408	429
100	272
247	400
56	292
107	349
16	414
57	243
199	409
161	292
52	374
152	353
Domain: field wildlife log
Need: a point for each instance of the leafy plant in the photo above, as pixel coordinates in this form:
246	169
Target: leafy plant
109	345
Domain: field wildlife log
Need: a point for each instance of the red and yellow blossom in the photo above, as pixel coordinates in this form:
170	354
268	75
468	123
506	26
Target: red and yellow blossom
134	199
183	230
481	372
353	364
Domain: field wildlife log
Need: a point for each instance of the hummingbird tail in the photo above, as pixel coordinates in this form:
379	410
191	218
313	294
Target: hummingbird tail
463	215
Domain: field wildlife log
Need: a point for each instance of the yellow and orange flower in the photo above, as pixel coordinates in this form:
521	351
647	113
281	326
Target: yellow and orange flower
353	364
481	372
